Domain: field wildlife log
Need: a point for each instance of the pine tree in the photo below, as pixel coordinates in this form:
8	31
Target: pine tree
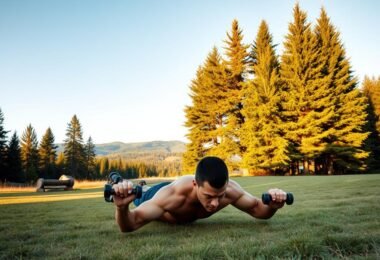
371	89
236	62
29	153
306	104
261	135
206	118
15	172
104	167
90	162
3	148
74	149
47	155
345	139
60	164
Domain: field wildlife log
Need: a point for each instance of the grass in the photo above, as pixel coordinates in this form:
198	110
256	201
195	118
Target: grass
332	217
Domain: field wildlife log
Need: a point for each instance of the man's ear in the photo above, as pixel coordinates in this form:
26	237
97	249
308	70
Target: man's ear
194	183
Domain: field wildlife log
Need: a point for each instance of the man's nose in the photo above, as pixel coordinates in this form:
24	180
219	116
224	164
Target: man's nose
215	202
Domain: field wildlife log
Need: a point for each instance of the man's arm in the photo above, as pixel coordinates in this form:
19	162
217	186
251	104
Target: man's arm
130	220
254	206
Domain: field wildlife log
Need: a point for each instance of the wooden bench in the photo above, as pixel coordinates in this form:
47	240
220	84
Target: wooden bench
65	182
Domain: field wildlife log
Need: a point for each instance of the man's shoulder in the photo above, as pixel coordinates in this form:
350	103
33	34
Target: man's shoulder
183	184
234	190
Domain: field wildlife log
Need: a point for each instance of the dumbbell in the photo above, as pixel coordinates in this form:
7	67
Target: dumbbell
115	178
266	198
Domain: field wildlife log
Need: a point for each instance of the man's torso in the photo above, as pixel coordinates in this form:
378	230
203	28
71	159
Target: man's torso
183	206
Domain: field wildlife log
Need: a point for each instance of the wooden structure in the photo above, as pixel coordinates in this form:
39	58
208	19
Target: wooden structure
65	182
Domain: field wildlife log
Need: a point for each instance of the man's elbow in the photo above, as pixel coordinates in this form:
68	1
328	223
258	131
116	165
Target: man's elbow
127	229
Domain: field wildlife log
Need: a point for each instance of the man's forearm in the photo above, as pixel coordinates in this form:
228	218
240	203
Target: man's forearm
124	219
264	211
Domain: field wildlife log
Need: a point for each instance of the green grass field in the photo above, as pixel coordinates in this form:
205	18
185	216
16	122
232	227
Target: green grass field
332	217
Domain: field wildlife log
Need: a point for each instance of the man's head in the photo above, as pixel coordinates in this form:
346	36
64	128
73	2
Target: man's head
213	170
211	178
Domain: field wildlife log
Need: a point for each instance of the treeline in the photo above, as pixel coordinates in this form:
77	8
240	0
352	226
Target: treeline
301	112
141	165
26	159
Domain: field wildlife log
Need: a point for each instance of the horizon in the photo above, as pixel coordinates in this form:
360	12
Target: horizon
125	68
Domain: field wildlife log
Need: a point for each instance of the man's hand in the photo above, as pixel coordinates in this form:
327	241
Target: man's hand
278	198
123	194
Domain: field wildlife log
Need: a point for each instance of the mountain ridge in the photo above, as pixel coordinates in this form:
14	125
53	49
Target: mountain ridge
121	148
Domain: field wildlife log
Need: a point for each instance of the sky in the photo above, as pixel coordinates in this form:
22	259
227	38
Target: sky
124	67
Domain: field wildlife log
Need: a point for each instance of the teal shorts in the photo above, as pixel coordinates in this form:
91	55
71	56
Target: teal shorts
150	193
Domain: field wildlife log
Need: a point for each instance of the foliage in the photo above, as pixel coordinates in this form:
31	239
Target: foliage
261	135
302	114
236	63
3	148
371	89
74	150
14	165
29	153
344	151
48	155
206	117
90	164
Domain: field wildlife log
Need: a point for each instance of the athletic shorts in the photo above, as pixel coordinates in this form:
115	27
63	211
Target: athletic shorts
150	193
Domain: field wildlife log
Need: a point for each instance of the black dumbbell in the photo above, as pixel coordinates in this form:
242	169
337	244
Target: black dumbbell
115	178
266	198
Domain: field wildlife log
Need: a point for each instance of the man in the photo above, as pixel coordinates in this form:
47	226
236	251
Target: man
190	198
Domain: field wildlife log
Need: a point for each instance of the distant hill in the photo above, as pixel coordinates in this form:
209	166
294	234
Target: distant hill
121	149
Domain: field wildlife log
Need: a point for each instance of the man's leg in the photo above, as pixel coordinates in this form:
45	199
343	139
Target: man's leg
150	193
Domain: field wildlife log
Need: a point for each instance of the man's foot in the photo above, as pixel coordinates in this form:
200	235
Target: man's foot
143	185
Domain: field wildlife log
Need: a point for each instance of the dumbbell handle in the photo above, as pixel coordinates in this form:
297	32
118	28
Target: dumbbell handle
109	192
266	198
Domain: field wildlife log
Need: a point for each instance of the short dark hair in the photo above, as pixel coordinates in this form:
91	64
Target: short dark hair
213	170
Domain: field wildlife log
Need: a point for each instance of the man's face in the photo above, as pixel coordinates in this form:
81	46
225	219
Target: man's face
209	196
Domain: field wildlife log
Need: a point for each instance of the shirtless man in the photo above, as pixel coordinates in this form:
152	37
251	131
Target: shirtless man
190	198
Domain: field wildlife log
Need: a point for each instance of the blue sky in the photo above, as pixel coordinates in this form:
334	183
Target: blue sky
125	67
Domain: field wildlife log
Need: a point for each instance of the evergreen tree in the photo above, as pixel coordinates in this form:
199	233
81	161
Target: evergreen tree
236	62
60	164
206	117
306	105
90	159
371	89
29	153
345	131
47	155
15	172
261	135
74	149
3	148
104	167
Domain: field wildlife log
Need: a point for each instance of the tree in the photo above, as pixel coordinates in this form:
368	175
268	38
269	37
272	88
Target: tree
48	155
306	104
14	164
206	116
74	149
236	63
261	135
90	162
104	167
345	136
60	164
371	89
3	148
29	153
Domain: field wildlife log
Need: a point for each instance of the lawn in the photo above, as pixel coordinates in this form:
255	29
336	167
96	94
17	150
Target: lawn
332	217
